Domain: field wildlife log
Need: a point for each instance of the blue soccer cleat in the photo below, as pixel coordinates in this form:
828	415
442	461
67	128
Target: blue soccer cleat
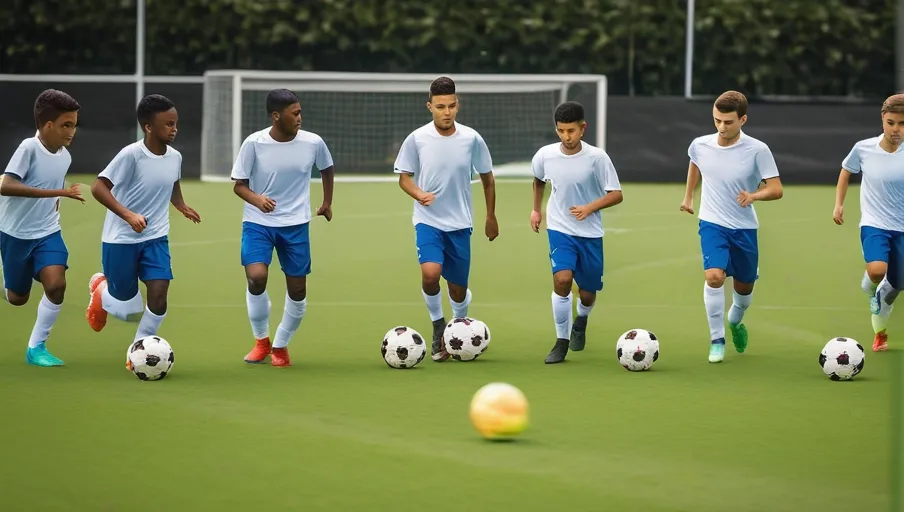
39	356
717	350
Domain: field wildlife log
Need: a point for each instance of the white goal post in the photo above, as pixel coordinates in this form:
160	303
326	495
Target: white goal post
364	117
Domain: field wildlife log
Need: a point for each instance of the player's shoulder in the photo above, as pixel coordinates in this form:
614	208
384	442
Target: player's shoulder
705	140
260	136
868	144
754	142
467	131
308	137
548	151
171	151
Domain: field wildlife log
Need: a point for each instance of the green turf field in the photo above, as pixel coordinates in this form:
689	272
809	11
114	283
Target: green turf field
341	431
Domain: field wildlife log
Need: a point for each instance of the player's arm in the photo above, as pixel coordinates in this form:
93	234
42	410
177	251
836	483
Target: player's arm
608	180
844	180
772	188
406	164
406	183
261	202
770	191
324	162
12	186
178	203
102	190
241	175
693	178
482	162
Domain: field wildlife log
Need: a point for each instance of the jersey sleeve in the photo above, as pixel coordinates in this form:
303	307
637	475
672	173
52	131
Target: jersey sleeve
121	168
765	164
244	162
851	162
607	175
20	162
481	160
536	165
692	152
323	159
407	161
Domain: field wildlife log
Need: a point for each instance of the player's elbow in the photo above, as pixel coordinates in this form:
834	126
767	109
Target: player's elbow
617	197
778	191
4	187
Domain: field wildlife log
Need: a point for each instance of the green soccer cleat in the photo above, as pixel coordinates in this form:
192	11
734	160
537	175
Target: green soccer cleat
717	350
39	356
739	337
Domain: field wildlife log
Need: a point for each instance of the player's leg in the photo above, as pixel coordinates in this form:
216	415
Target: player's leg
257	253
115	291
429	242
155	271
293	246
876	246
457	270
714	244
563	257
588	275
16	256
888	290
744	262
51	259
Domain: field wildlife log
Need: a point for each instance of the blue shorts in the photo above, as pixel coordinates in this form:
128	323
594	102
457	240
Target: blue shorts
23	260
583	256
733	250
451	249
126	264
292	244
884	245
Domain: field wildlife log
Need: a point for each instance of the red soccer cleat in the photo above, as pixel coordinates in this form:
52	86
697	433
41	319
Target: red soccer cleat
880	342
96	314
280	357
260	351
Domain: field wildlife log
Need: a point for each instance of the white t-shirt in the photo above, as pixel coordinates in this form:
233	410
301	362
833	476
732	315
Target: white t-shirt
882	183
143	183
282	172
726	171
576	180
443	165
30	218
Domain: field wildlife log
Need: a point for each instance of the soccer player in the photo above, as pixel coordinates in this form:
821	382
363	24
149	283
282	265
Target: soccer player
880	160
732	165
584	182
136	188
435	165
272	174
31	243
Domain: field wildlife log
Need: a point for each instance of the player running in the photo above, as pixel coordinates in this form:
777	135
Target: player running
584	182
272	174
732	165
435	165
880	160
31	240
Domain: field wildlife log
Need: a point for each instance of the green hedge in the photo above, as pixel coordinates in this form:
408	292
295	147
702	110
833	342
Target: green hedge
798	47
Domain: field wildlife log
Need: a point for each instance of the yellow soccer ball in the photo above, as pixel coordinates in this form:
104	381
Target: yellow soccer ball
499	411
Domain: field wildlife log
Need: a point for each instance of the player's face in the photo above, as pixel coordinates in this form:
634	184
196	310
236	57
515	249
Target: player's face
60	133
289	120
729	125
893	127
444	110
164	126
571	133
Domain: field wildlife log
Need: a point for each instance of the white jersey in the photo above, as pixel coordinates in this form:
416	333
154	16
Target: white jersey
282	172
726	171
30	218
576	180
443	166
882	183
143	183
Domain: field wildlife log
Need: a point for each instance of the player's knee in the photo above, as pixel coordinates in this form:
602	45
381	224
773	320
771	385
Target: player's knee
458	293
297	292
562	281
157	304
15	299
257	282
715	277
876	272
55	290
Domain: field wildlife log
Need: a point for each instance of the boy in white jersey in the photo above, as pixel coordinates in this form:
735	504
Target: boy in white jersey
31	243
880	160
584	182
435	165
272	174
732	164
136	188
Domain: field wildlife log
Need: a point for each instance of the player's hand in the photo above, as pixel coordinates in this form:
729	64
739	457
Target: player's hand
687	206
838	215
189	213
745	199
326	209
426	198
265	204
73	193
535	220
137	222
492	228
581	212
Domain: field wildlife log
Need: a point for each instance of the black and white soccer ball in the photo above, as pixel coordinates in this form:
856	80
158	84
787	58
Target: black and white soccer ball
466	338
150	358
637	350
842	358
403	347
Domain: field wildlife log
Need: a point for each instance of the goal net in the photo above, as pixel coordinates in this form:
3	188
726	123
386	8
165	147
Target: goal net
364	117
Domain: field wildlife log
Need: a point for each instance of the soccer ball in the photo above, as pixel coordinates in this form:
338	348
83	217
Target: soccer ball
637	350
499	411
466	338
842	358
150	358
403	347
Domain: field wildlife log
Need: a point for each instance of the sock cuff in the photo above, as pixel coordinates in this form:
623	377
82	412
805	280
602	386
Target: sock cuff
741	300
462	303
252	297
567	298
710	290
147	311
48	304
297	306
427	296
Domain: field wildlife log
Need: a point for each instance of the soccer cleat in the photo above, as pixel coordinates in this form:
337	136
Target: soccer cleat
96	314
259	353
280	357
880	342
39	356
558	352
717	350
739	337
438	349
578	334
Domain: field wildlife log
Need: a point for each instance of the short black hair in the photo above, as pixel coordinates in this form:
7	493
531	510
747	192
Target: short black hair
569	112
50	104
151	105
442	86
732	101
279	99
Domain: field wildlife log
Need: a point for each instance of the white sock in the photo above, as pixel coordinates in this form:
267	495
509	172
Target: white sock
149	324
123	310
584	310
714	300
292	315
6	295
886	295
434	305
460	309
258	314
867	285
47	316
561	314
739	305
